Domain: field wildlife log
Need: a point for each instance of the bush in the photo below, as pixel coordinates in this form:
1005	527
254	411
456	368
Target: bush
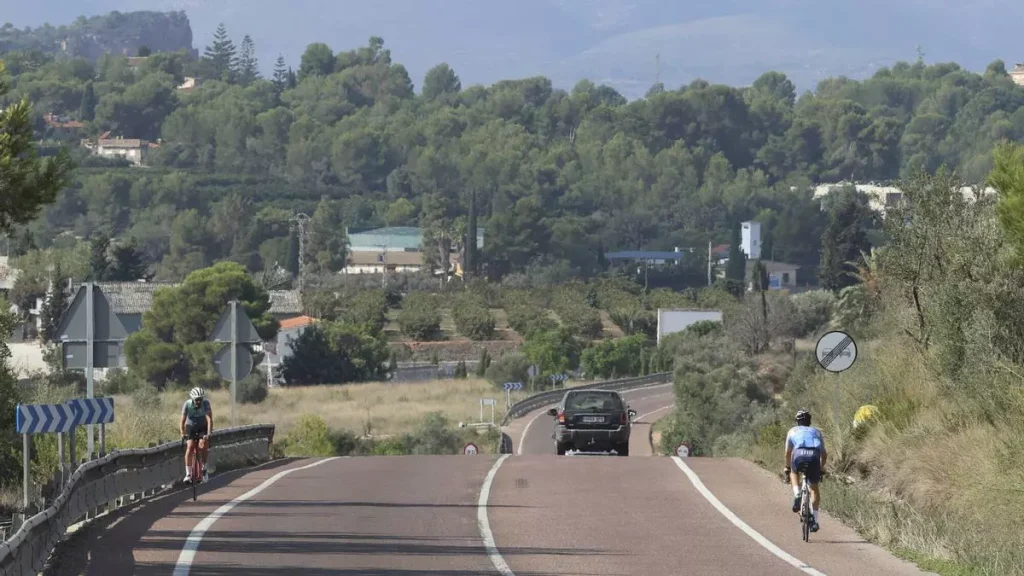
553	351
617	358
121	381
335	352
512	367
419	317
310	437
813	310
252	389
473	319
367	308
485	362
434	436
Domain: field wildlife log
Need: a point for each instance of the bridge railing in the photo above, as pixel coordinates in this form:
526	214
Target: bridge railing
106	483
540	399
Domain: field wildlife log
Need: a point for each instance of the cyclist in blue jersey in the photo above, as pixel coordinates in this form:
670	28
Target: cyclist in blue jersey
196	425
805	445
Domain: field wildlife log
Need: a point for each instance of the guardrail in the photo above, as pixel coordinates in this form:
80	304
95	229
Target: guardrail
105	482
538	400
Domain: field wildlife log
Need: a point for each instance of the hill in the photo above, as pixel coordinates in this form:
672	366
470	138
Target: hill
611	41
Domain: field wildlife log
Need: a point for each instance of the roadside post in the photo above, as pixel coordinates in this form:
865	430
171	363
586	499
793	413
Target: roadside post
234	360
487	402
91	336
40	419
91	411
509	387
836	352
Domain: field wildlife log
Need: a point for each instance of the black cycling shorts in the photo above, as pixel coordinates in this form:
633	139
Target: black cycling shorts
195	431
811	458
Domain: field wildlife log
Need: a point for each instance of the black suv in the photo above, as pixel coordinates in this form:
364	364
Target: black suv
589	420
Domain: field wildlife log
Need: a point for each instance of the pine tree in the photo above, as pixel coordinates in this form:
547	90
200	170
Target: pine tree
88	110
128	264
280	74
736	268
54	308
248	68
221	55
99	263
292	80
843	241
471	238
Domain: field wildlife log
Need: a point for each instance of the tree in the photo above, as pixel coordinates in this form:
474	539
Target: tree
99	262
280	74
844	241
144	51
325	249
440	81
128	263
294	246
26	182
317	60
173	346
220	56
10	396
248	67
736	268
334	353
54	306
88	107
1007	177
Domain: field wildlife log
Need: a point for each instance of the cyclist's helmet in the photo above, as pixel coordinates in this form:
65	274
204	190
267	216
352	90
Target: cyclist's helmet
803	418
197	393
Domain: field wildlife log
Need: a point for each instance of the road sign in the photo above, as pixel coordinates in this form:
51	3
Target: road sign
532	371
44	418
246	330
92	410
512	385
470	449
836	351
487	401
104	355
558	377
222	361
74	325
683	450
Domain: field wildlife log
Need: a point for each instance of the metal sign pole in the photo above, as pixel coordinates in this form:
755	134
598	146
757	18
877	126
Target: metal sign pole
25	458
60	456
234	357
89	353
72	451
103	439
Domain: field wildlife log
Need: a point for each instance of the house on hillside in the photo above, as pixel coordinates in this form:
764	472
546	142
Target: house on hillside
190	83
281	348
394	249
132	149
1017	74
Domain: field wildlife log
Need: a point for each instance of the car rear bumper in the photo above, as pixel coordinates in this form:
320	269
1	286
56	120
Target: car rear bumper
585	437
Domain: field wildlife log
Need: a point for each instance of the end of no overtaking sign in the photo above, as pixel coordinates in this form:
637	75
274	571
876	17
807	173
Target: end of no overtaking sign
836	351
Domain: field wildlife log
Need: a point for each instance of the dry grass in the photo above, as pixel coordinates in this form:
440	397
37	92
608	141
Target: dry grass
376	409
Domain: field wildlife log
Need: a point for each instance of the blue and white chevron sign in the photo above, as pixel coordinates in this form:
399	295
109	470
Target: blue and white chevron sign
512	385
558	377
93	410
44	418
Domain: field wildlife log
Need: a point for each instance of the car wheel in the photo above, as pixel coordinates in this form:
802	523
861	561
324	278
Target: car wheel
560	448
623	449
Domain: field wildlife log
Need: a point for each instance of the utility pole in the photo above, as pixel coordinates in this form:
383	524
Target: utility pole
709	262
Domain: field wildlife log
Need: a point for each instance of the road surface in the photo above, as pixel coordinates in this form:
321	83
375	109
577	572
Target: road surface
541	514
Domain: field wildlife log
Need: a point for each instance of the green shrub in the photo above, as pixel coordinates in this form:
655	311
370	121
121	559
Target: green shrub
814	310
473	319
419	317
435	436
121	381
618	358
485	362
509	368
309	437
553	351
252	389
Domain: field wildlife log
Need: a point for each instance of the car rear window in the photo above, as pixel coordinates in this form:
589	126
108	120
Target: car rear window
593	401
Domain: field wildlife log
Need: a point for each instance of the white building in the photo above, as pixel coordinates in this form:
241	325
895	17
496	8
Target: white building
750	240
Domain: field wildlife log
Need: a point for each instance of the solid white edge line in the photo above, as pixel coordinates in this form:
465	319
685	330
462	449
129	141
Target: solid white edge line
642	416
485	526
754	534
543	411
188	551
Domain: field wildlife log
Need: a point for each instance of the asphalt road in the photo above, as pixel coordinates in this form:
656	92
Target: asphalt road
532	434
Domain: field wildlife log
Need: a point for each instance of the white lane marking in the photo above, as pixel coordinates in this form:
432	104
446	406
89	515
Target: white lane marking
485	526
188	552
642	416
754	534
543	411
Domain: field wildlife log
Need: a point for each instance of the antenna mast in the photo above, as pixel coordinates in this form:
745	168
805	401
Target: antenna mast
302	220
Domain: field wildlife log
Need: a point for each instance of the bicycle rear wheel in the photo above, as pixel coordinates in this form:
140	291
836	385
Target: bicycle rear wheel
805	512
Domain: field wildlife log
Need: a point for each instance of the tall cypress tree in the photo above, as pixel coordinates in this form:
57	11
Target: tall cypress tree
844	239
88	109
221	55
736	268
471	262
54	308
280	74
293	253
99	263
248	68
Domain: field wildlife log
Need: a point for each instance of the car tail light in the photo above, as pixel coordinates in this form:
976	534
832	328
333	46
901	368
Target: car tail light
623	419
561	417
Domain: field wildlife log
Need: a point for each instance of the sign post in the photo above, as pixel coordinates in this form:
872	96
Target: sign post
91	336
836	351
487	402
532	372
509	387
40	419
235	329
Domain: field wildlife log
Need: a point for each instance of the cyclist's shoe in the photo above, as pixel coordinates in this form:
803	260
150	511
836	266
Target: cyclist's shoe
188	477
206	475
796	504
814	526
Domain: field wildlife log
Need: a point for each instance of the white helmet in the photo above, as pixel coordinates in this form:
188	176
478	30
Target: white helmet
196	393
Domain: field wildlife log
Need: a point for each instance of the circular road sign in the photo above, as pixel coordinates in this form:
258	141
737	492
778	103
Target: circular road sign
683	450
222	361
470	448
836	351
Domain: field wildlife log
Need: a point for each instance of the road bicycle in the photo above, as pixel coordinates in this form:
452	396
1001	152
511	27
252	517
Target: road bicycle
197	469
806	517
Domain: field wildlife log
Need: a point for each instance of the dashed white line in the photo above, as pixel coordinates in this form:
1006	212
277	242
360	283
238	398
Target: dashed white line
485	526
754	534
188	552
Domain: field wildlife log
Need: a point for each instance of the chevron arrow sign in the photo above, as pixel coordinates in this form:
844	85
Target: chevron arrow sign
92	410
44	418
512	385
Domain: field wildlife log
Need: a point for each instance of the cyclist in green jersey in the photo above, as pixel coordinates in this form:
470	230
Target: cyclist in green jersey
196	425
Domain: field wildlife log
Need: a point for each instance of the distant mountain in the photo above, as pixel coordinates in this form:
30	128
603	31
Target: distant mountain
625	43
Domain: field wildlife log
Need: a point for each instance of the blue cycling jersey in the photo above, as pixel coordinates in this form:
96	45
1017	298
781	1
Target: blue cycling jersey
805	437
